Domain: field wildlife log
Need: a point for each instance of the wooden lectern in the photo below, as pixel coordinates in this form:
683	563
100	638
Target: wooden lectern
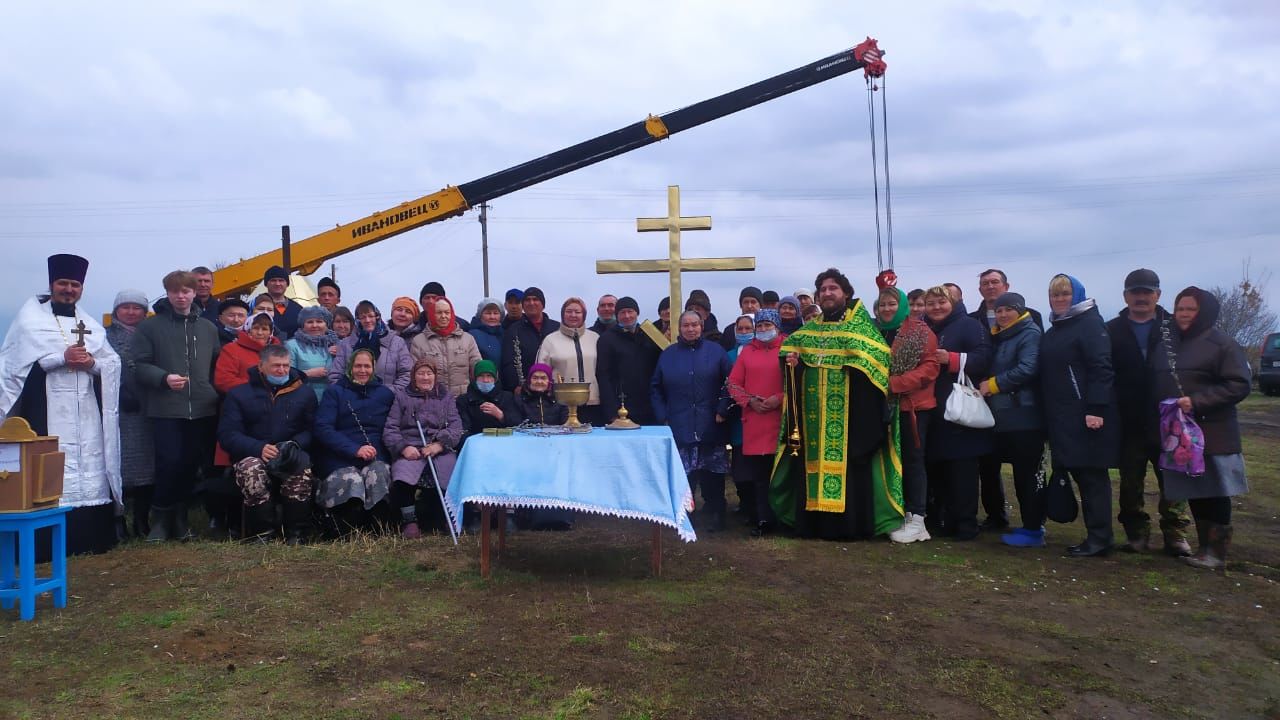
30	468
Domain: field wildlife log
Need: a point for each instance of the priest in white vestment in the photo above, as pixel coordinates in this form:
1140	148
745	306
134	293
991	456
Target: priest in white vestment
58	372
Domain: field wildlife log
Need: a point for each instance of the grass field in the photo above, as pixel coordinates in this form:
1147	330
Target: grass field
572	626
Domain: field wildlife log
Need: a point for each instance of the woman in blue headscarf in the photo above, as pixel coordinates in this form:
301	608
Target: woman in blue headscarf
1080	407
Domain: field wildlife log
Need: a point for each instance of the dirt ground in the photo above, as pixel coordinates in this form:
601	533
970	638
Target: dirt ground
572	625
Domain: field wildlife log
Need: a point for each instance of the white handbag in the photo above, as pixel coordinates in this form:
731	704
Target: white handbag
965	405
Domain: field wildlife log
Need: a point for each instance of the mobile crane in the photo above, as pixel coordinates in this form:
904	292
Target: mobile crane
307	255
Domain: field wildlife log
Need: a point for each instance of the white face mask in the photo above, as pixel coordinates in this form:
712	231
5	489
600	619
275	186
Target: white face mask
765	336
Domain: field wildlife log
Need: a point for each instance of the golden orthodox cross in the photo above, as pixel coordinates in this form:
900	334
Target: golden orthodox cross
674	264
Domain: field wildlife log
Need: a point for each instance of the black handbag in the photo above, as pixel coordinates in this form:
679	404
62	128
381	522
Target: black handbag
1061	504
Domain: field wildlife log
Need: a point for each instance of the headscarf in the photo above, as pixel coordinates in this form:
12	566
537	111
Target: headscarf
485	366
1206	316
270	319
786	327
741	338
1080	303
437	390
351	361
371	340
904	310
447	329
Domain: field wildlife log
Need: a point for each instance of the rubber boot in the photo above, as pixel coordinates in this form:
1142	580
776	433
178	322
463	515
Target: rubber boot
180	527
160	520
1214	556
260	523
297	522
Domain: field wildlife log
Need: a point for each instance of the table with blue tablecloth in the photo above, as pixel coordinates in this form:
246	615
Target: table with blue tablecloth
633	474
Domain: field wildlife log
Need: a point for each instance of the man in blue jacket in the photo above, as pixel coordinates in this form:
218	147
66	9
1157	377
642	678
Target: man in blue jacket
259	421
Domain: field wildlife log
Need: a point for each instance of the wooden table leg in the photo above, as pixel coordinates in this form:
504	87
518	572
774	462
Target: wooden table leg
502	530
485	514
657	550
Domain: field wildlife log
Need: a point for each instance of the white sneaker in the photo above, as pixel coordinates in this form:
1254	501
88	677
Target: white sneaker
912	530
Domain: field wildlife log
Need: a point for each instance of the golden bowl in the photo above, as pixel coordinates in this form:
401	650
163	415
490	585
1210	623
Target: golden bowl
573	394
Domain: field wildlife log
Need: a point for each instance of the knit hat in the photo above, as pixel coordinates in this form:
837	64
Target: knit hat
664	304
135	297
485	303
485	366
328	282
408	304
802	291
516	293
314	311
432	288
275	272
626	302
534	292
543	367
790	300
887	278
424	361
769	296
749	291
768	315
1012	300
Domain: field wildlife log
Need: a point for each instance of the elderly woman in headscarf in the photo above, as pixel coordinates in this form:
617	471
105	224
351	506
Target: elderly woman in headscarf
1080	406
137	451
536	402
912	372
452	349
688	393
487	327
1012	393
313	347
755	384
351	459
789	317
392	361
571	352
424	409
1205	374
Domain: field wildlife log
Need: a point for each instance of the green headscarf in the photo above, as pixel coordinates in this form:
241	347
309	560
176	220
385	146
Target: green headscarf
904	309
351	361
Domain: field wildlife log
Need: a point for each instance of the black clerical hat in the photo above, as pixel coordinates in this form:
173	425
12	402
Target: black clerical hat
67	267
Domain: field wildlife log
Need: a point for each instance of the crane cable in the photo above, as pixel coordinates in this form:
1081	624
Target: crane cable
884	244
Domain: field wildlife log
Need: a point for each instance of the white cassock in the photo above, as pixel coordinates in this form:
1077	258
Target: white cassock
89	437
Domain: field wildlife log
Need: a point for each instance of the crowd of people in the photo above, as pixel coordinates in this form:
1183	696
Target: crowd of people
834	417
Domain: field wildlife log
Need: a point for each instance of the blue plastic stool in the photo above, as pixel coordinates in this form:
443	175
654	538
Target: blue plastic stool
18	531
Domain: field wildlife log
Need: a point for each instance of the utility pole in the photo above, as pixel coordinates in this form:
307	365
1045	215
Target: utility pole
484	244
333	272
286	249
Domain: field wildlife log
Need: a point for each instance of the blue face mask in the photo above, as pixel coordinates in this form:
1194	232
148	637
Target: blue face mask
744	338
278	380
765	336
485	387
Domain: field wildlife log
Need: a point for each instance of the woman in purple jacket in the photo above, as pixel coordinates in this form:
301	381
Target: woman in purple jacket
428	404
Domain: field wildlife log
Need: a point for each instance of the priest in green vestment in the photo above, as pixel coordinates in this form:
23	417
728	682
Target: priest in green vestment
843	478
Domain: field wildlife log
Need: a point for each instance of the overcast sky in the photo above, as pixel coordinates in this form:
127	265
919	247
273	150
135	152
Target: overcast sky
1088	138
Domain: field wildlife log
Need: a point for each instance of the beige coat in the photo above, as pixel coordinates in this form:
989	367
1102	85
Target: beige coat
558	351
455	356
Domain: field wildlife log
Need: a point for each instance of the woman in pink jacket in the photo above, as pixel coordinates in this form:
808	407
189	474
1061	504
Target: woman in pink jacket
755	383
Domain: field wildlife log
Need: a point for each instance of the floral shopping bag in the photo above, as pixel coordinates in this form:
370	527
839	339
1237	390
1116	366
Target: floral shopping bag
1181	440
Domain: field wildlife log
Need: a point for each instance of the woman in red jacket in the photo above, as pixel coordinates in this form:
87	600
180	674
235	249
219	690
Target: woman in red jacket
755	383
911	375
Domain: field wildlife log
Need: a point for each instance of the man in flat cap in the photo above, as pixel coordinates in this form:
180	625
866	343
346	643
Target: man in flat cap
59	373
